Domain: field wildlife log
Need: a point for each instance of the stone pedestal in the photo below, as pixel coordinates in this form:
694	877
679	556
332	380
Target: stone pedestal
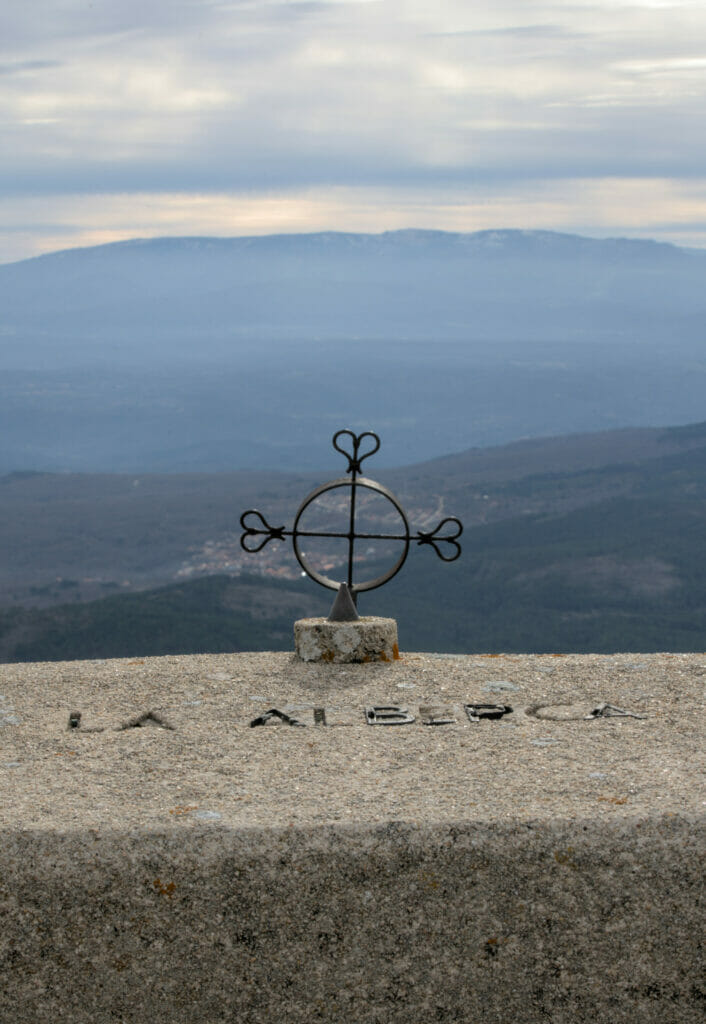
369	639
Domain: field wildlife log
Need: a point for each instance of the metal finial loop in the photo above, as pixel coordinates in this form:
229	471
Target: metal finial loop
354	459
434	540
269	532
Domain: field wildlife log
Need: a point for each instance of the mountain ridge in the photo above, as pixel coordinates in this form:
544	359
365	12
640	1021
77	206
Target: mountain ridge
489	239
173	355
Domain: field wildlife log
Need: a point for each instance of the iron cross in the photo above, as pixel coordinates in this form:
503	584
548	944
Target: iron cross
256	526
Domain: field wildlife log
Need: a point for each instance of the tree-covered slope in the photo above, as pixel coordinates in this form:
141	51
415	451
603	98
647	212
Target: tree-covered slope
625	571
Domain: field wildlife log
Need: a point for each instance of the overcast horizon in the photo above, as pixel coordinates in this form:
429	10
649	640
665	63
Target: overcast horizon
256	117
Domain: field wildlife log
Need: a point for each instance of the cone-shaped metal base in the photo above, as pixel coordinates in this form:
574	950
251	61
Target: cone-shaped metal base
343	608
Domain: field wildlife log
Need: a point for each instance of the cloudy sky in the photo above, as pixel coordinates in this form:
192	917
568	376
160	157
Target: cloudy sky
123	118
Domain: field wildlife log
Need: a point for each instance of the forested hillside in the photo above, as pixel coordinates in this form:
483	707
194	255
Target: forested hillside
593	556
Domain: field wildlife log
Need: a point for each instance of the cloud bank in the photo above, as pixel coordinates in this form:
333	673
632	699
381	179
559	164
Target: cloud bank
205	117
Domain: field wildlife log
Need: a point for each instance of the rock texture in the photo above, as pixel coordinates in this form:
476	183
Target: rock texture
163	858
370	638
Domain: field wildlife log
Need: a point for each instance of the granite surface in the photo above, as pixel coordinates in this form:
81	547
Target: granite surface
165	857
367	639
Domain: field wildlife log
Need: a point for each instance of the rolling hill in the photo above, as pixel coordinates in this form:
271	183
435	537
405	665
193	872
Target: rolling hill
587	543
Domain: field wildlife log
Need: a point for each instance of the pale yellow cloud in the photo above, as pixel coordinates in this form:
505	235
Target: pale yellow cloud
659	208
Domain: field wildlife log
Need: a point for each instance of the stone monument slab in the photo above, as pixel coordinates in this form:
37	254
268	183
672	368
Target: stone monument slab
255	838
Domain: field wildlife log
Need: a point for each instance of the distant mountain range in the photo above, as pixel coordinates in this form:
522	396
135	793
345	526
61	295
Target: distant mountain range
582	543
400	285
178	355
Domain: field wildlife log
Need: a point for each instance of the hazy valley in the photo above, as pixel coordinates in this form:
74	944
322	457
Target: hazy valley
588	542
150	391
206	355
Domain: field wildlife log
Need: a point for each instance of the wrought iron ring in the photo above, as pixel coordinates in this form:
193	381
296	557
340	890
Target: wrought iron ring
350	536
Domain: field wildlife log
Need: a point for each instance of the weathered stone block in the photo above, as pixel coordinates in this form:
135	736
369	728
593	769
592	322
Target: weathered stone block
369	639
